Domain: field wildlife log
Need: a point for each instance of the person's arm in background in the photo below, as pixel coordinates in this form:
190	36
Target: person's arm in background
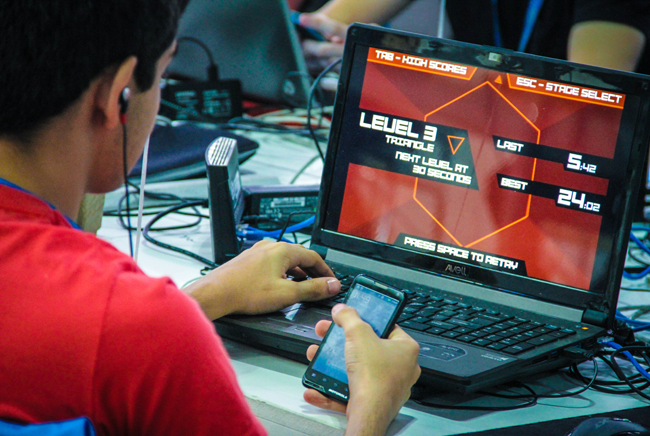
332	21
606	44
363	11
609	33
381	373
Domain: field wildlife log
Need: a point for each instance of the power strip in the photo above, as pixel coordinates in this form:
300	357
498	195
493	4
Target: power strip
273	204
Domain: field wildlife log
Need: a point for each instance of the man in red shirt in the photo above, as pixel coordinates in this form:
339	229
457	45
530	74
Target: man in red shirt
83	331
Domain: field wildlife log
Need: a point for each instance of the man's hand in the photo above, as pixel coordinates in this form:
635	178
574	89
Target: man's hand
381	373
256	282
319	54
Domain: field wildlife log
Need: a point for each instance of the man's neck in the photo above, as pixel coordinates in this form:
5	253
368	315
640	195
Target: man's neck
50	168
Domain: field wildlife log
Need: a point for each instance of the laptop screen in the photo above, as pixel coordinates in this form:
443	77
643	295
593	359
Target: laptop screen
253	41
508	170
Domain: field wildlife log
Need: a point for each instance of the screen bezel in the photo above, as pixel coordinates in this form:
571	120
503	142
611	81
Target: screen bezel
619	220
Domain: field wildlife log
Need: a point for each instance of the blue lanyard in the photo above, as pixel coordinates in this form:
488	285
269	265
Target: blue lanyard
13	185
534	6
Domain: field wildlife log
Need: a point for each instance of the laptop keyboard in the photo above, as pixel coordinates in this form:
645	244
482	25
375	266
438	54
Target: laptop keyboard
462	322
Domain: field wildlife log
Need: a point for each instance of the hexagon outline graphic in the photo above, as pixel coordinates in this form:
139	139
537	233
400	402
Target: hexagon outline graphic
415	188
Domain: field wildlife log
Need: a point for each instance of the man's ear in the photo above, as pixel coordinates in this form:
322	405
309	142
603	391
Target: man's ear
109	90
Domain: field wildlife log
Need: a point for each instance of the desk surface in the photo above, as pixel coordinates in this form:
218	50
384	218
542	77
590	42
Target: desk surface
273	384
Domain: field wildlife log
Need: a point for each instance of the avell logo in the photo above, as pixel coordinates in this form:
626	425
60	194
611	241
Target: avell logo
457	270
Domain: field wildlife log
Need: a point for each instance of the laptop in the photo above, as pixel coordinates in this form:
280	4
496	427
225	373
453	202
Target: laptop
496	187
253	41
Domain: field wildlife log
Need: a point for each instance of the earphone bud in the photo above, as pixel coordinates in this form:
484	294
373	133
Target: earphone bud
125	96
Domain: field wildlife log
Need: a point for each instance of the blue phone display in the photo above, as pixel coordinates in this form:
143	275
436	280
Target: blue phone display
374	308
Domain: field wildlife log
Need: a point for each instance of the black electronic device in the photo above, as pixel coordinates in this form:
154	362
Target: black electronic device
496	185
379	305
274	205
226	197
253	41
603	426
213	101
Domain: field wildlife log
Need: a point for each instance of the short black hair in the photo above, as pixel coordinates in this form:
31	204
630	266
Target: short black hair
51	50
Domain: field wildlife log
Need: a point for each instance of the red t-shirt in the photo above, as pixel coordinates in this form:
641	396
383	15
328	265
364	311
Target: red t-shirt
84	332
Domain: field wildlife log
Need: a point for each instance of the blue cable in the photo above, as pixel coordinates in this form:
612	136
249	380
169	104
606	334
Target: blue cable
639	243
638	326
257	237
259	234
276	233
631	358
643	247
636	276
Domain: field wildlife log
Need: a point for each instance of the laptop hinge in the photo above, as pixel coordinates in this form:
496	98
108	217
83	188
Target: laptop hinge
595	317
321	250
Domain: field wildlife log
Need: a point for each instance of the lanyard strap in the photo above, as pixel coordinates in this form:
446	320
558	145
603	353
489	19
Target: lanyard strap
14	186
534	6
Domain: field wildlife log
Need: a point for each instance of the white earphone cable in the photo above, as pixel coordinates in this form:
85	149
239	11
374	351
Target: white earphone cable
143	180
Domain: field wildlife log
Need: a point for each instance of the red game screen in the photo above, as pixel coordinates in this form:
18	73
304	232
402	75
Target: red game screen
499	170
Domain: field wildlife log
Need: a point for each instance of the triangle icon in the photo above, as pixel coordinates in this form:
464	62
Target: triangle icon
498	80
457	140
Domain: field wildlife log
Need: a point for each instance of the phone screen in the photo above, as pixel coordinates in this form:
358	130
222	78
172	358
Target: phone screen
328	367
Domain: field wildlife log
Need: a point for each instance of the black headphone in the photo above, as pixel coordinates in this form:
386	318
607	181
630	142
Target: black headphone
125	95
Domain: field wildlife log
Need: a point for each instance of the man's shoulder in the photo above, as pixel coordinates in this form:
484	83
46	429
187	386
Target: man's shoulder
79	268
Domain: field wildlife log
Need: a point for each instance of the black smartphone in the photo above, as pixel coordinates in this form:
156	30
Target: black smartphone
379	305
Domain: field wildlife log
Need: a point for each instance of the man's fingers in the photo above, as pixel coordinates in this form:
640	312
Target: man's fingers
311	351
307	260
322	327
399	334
316	399
347	318
317	289
412	348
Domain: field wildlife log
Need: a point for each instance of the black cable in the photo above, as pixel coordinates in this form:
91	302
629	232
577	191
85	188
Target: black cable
160	215
531	402
213	72
128	215
286	224
613	387
200	43
303	169
563	395
579	391
622	375
627	288
630	252
159	195
194	214
312	91
646	358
